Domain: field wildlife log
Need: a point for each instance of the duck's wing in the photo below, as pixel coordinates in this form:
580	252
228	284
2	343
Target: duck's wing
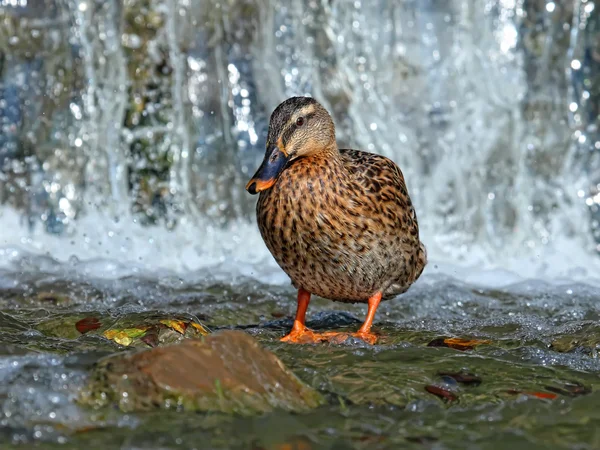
381	189
382	199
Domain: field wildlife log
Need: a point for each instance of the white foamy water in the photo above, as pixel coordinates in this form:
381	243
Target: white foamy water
107	249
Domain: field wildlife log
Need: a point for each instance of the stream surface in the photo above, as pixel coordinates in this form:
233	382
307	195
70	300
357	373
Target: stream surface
533	384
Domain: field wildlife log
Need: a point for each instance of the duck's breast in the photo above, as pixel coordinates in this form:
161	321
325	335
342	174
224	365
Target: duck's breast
337	237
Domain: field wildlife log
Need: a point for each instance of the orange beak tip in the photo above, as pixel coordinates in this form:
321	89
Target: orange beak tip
255	186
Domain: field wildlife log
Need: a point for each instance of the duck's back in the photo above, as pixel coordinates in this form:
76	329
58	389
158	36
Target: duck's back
343	231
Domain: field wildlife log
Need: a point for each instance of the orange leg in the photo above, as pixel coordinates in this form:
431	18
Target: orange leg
364	332
300	334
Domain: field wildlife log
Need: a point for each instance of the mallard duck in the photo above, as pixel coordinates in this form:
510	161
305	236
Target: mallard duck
339	222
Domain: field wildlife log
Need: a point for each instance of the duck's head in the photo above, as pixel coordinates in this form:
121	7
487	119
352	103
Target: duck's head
299	127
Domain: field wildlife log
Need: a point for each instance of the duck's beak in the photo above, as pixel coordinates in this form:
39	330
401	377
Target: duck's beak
266	175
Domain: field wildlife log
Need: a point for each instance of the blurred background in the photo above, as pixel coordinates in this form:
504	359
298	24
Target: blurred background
128	129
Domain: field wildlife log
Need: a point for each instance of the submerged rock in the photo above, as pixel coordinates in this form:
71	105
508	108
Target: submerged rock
227	371
586	340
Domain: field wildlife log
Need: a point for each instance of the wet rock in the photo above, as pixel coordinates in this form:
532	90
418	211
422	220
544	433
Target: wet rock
53	298
226	371
461	377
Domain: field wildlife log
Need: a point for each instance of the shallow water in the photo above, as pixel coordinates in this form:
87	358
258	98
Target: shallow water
536	380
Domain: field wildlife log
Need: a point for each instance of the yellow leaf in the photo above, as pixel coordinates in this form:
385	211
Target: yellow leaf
110	334
203	331
176	325
125	336
122	339
135	332
119	336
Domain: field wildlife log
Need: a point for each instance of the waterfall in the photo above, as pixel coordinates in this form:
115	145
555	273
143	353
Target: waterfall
129	128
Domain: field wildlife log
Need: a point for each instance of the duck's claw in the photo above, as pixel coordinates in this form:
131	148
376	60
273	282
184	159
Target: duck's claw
303	336
368	337
340	337
307	336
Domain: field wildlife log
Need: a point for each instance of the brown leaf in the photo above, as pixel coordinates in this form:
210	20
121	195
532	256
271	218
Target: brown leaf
457	343
88	324
151	337
444	394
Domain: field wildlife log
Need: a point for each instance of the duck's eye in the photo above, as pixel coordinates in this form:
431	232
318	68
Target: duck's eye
299	121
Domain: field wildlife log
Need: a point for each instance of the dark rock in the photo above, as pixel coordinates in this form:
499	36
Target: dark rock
461	377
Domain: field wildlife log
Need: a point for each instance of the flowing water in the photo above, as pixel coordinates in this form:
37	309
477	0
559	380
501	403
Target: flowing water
129	128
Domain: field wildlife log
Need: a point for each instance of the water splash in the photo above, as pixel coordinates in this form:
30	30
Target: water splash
128	130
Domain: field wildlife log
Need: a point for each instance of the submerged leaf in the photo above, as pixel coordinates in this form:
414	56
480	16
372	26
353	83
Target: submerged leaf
457	343
122	339
176	325
88	324
441	393
203	331
125	336
151	338
542	395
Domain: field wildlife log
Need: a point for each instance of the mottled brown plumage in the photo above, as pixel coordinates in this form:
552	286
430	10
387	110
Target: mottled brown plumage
340	223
